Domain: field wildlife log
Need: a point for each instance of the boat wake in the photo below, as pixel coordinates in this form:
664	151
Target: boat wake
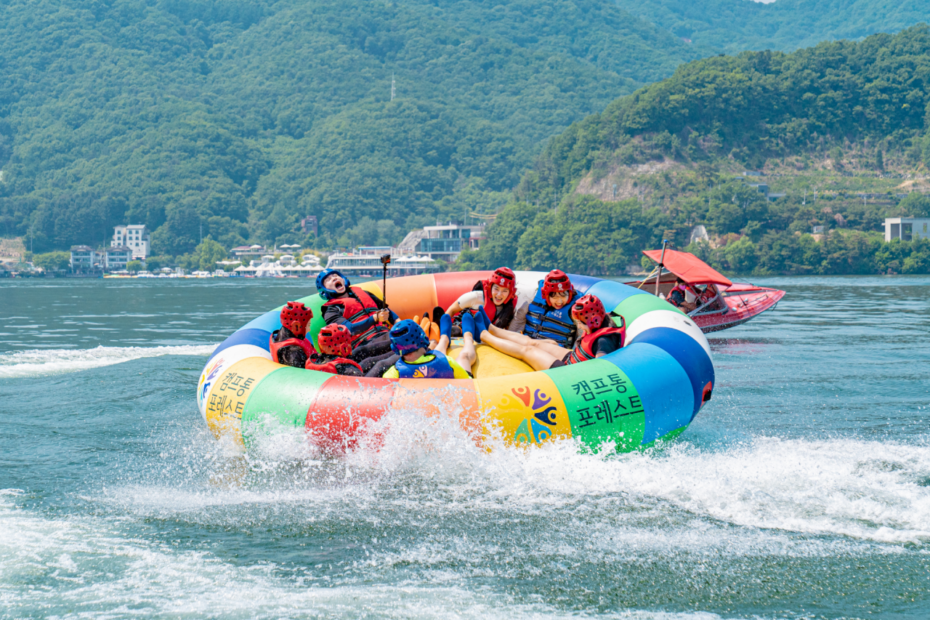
877	492
62	361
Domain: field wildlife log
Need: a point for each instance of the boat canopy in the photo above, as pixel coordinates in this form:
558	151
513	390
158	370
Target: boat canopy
688	267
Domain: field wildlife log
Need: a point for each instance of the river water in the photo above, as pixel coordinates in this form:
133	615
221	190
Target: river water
801	491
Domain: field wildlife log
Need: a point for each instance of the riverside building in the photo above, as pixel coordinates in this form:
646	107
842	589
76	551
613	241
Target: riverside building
135	237
907	228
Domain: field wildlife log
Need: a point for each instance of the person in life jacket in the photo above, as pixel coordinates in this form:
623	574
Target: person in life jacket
335	343
417	361
364	315
549	314
679	295
289	345
498	294
597	331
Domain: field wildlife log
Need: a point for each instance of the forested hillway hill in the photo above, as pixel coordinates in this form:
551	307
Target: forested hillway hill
785	25
238	117
241	116
672	155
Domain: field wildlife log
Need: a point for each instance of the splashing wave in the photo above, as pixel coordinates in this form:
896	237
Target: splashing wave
62	361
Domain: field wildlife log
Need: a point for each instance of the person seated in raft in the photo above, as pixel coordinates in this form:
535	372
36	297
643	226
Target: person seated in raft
335	343
289	345
418	361
362	314
679	295
384	363
547	316
498	294
598	336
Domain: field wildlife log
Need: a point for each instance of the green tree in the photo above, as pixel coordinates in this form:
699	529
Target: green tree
154	263
208	253
741	255
52	261
134	266
914	204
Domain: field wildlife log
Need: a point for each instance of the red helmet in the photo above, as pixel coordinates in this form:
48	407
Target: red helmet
335	339
590	311
295	317
503	277
556	282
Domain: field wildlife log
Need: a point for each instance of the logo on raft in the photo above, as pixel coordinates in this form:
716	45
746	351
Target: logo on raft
540	420
207	378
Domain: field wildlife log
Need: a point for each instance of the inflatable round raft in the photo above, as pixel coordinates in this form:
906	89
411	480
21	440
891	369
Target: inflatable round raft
649	390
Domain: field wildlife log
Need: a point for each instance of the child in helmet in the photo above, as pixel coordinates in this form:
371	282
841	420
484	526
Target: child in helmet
598	336
548	317
498	294
364	315
418	361
289	345
335	343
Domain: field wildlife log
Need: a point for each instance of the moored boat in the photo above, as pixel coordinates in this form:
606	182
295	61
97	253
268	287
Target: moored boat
719	303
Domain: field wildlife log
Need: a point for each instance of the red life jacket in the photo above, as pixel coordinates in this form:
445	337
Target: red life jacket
303	343
330	366
355	310
490	308
584	347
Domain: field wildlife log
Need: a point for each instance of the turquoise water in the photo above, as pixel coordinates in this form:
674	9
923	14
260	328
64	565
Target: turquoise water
801	491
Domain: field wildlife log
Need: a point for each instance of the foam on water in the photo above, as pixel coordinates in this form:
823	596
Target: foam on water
40	363
866	490
88	568
871	490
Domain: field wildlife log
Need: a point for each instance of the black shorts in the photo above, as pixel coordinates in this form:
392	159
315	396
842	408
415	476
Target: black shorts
562	362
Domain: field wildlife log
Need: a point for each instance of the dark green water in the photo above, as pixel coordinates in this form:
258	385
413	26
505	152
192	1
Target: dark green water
801	491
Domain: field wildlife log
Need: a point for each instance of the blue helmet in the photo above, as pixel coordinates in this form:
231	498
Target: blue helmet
327	293
407	336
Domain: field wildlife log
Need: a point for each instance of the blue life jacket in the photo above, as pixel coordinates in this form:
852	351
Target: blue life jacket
436	368
544	321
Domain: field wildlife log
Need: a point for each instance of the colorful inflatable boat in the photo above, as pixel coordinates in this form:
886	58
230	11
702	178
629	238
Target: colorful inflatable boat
649	390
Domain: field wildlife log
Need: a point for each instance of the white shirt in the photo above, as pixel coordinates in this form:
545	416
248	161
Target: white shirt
473	299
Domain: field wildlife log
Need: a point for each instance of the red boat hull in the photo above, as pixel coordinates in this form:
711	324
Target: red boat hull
744	301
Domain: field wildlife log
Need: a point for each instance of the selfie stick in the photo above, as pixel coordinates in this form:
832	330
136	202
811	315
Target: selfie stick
385	261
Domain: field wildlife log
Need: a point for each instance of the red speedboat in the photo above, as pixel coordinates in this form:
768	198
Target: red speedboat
711	299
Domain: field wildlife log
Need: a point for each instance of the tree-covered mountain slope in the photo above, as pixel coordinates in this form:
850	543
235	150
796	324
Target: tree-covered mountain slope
672	155
785	25
238	117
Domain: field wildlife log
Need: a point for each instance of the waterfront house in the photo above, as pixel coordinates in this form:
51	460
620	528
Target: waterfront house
907	228
134	236
116	257
83	258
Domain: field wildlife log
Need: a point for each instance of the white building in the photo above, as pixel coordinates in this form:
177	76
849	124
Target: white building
246	252
285	266
368	264
445	242
134	237
84	258
116	257
907	228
